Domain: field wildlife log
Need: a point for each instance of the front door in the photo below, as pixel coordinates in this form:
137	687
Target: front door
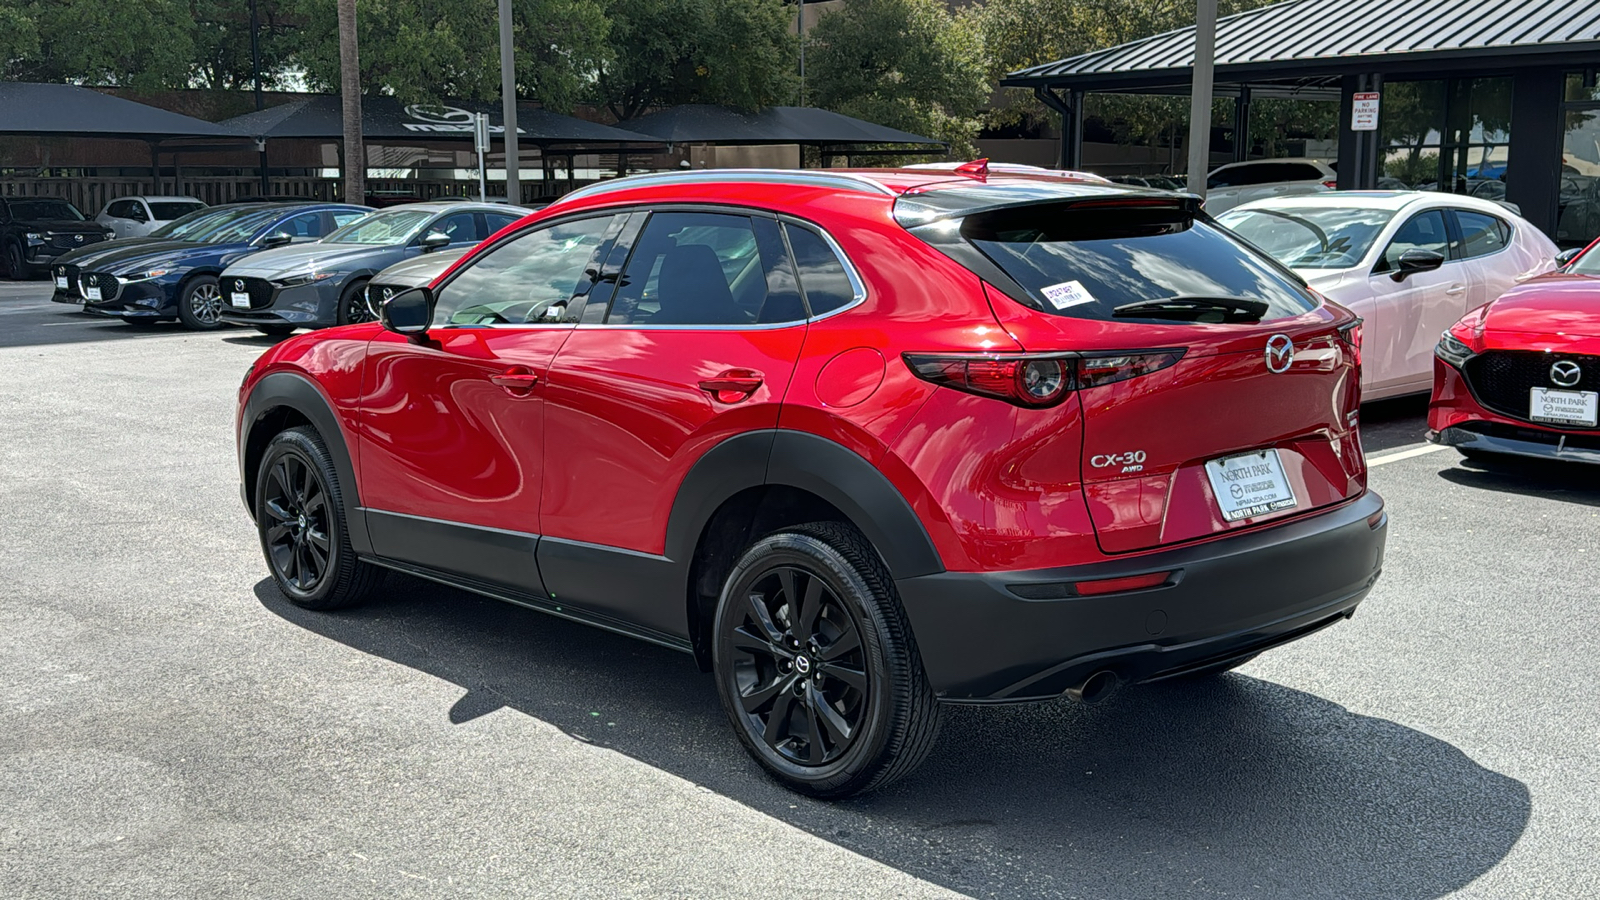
1397	349
452	425
697	345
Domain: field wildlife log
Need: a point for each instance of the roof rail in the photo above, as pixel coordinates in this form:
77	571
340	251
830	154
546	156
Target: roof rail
843	181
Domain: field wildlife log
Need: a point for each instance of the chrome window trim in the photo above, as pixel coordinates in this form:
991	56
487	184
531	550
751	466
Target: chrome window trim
839	180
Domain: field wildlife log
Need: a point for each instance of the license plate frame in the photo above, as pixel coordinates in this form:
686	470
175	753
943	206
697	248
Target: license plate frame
1554	403
91	293
61	282
239	300
1250	485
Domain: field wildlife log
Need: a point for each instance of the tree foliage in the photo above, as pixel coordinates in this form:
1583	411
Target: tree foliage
136	43
668	52
907	64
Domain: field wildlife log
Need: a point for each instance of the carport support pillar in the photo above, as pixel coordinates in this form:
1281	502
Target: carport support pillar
1205	53
508	100
1358	150
155	168
1069	152
261	148
1241	125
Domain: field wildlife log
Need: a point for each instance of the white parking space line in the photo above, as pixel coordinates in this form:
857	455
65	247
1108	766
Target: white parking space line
1406	454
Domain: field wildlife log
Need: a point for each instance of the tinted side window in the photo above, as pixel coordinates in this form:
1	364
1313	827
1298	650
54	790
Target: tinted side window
1481	233
1423	231
305	225
692	269
528	279
459	226
118	209
497	221
343	217
823	278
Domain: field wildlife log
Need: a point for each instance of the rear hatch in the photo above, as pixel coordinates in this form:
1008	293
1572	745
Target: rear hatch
1217	392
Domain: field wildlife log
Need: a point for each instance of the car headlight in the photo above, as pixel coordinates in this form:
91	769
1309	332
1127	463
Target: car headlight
34	236
1452	351
144	276
108	235
297	280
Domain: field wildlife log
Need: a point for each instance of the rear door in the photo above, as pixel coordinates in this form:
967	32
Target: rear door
1197	354
453	426
696	345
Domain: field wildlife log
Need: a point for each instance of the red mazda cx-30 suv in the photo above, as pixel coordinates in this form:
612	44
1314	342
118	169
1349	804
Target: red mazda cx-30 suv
860	442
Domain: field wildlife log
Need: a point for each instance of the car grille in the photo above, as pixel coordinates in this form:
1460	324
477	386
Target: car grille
71	241
108	284
70	273
378	293
259	289
1502	379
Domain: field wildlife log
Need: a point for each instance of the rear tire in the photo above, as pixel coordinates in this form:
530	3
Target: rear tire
300	520
817	666
277	331
16	269
200	303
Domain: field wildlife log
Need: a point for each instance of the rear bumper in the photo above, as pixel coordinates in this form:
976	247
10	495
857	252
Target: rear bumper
982	641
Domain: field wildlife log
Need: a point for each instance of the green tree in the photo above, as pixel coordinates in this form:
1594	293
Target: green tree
220	37
145	44
908	64
430	50
667	52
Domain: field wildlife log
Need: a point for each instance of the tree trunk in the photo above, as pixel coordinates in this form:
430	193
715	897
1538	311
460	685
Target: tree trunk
355	152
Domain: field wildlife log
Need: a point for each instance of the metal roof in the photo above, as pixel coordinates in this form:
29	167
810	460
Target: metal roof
705	124
1331	36
71	110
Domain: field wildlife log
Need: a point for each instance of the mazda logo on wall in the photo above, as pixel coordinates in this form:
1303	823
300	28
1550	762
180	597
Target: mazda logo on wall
1566	373
1280	353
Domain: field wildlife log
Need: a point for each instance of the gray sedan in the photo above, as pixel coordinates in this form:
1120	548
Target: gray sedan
407	274
324	283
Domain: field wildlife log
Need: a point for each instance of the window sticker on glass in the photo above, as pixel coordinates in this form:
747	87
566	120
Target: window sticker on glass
1067	293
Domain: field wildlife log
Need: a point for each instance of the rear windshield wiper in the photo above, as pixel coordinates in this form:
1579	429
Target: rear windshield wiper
1194	309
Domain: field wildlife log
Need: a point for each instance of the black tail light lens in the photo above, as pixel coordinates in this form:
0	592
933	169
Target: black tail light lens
1035	380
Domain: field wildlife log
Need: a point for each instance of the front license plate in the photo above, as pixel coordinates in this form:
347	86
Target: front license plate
1249	485
242	301
61	282
1563	407
91	293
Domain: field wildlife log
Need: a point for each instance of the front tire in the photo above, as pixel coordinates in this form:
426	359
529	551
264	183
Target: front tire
353	304
200	303
16	268
816	664
300	520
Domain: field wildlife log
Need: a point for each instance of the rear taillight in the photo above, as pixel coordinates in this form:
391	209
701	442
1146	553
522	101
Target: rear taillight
1351	335
1331	184
1034	380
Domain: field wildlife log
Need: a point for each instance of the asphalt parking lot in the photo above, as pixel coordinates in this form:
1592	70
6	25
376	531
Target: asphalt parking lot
171	727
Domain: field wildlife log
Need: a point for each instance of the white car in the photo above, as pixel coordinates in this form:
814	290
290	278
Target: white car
1241	182
138	216
1408	262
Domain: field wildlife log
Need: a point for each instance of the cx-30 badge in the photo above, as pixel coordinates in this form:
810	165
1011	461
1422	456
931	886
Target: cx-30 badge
1280	353
1565	374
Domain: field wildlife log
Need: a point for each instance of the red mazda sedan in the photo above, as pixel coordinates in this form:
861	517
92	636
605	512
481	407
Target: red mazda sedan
1521	376
860	442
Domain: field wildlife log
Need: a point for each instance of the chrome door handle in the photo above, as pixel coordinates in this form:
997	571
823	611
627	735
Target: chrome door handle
517	379
1456	290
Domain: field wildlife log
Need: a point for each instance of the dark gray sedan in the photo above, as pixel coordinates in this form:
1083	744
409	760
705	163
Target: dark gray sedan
324	283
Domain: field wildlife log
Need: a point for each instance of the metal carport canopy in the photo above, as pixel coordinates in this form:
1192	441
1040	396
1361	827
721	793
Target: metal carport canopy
66	109
386	119
706	124
1306	37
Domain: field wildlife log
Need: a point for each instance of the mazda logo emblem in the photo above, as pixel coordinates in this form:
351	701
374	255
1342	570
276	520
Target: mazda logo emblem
1280	353
238	285
1566	373
78	238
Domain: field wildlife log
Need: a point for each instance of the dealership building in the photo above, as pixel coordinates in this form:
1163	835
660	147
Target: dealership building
1496	98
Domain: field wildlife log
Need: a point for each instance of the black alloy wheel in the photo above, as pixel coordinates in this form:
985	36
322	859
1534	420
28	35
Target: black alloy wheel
300	519
816	664
16	269
353	304
200	303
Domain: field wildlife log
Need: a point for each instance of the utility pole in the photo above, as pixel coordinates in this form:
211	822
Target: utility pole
508	97
355	153
255	70
800	29
1205	54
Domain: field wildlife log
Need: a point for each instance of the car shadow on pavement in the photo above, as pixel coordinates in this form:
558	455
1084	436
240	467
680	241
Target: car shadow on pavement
1555	480
72	327
1229	787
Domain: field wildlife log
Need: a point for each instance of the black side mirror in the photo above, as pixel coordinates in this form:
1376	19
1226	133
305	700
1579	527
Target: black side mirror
1417	260
435	240
1567	256
277	239
408	312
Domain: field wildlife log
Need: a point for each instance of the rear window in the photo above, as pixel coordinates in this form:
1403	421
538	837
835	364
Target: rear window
167	210
1086	262
1264	173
